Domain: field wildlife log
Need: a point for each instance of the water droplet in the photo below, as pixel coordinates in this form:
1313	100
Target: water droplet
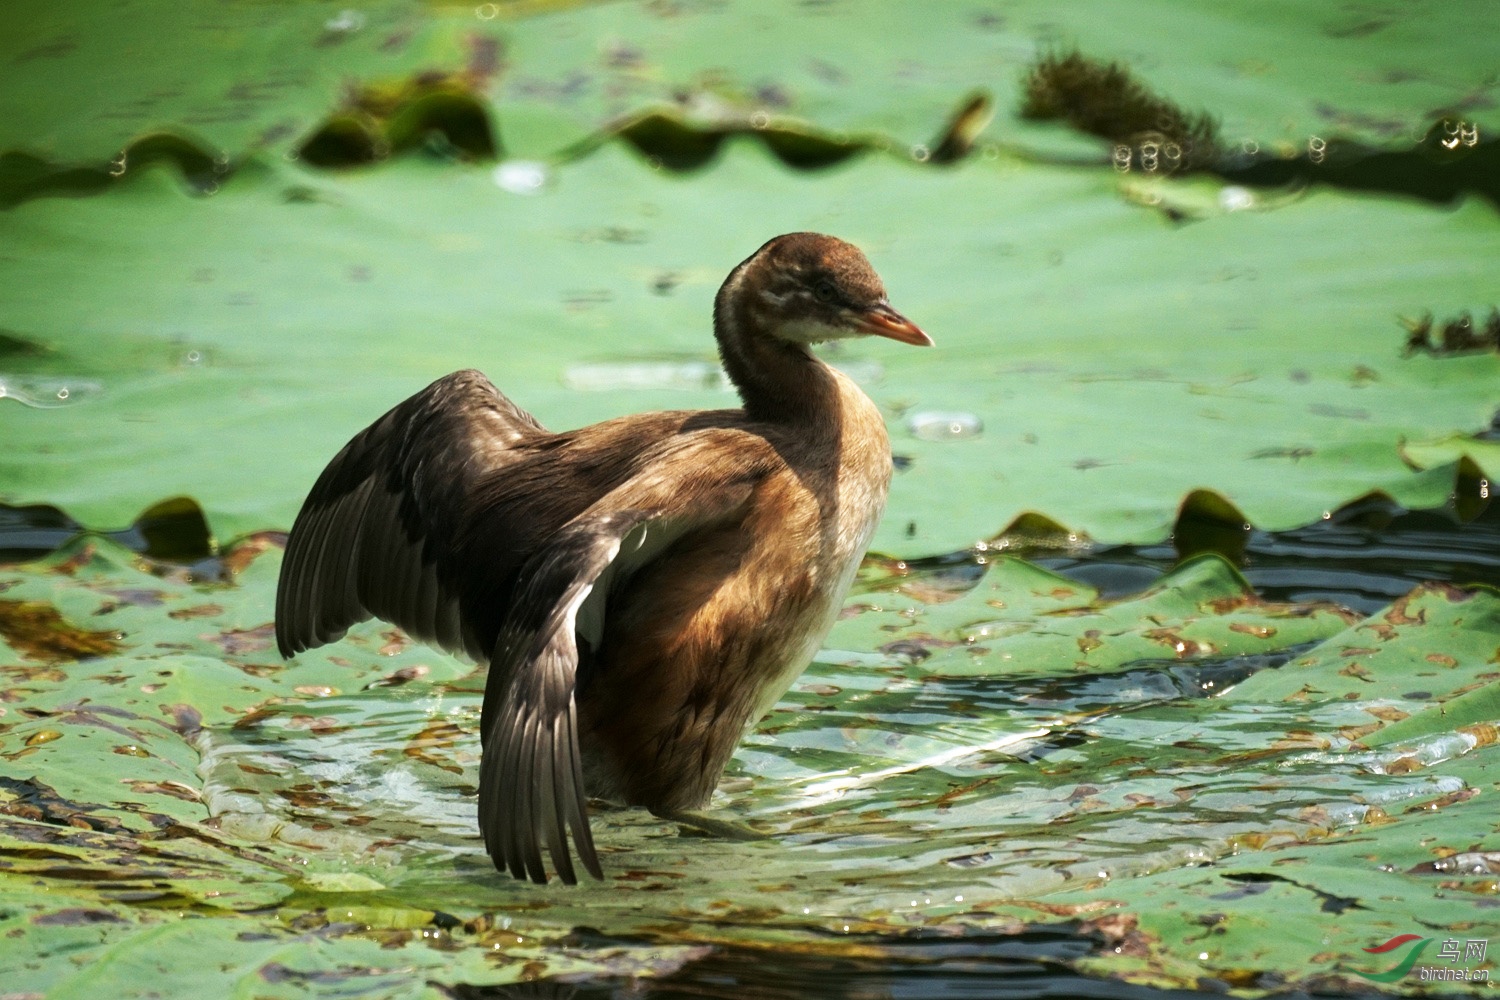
346	22
1235	198
931	425
521	176
487	11
47	393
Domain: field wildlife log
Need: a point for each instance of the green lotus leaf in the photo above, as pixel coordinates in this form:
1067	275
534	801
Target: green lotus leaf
1055	701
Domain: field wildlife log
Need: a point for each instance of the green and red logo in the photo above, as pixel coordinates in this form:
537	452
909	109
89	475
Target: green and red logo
1462	961
1416	943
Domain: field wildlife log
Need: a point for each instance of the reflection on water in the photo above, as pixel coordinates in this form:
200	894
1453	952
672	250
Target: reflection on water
42	392
882	762
984	736
1027	964
1363	556
935	426
969	746
521	176
901	797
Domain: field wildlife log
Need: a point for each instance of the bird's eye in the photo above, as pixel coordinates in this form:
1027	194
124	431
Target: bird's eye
825	291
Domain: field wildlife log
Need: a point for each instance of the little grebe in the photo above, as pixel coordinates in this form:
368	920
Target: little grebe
642	588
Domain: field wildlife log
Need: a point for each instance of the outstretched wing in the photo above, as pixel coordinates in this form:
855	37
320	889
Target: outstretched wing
377	534
531	777
531	786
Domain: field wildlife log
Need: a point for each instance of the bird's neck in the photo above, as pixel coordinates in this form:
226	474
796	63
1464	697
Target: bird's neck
778	381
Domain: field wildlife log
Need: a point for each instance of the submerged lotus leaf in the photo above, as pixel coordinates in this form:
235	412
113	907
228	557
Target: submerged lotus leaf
1022	775
1387	658
1017	620
1471	715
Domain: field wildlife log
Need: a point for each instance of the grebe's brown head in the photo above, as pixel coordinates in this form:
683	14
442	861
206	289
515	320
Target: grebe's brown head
806	287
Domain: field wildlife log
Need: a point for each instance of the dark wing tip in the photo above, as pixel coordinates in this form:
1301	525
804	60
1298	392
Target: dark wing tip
531	786
531	791
531	796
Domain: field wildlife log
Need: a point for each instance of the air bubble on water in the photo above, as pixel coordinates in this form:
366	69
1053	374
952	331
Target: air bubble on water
932	425
521	176
1235	198
46	393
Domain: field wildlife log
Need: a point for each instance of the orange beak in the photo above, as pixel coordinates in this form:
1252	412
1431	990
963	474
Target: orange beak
883	321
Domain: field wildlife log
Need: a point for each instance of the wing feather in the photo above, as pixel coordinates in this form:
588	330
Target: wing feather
458	518
531	785
378	533
529	692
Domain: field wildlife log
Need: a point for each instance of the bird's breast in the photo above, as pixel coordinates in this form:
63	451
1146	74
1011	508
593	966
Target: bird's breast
850	507
706	638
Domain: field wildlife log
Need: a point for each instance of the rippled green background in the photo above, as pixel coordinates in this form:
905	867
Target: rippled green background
973	752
